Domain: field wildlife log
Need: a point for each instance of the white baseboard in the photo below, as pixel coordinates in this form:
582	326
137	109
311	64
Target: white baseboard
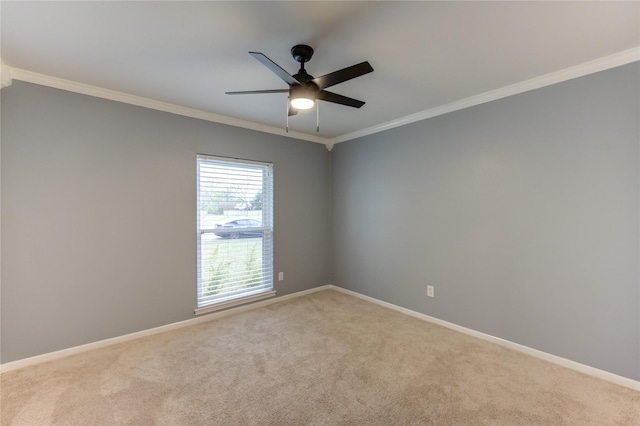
591	371
26	362
595	372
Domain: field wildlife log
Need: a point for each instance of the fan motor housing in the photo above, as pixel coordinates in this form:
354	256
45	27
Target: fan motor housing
303	77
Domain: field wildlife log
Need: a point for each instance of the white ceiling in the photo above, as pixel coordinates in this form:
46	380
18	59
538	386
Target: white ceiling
428	57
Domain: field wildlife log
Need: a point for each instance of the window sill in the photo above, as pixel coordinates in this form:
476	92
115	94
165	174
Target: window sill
224	304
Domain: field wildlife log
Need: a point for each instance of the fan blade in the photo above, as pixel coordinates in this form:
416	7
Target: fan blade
288	78
339	99
292	111
254	92
342	75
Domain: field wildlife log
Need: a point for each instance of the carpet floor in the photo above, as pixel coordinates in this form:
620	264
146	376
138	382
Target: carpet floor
326	358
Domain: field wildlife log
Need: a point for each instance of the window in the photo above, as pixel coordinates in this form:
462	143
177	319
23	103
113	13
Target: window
235	232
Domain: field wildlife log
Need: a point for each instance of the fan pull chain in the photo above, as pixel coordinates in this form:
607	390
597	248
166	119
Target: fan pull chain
287	113
317	116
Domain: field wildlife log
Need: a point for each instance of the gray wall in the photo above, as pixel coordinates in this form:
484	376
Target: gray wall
99	215
523	213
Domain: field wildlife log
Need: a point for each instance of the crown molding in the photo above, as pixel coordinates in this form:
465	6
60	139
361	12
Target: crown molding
99	92
601	64
5	75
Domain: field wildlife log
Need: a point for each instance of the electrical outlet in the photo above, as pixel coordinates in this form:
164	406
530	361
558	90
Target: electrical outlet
280	276
430	291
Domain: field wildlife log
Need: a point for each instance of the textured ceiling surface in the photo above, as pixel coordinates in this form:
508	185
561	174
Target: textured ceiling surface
425	54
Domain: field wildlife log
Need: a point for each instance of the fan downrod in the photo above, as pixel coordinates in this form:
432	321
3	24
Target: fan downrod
302	53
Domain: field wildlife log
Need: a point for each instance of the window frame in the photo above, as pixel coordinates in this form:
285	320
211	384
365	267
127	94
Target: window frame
205	304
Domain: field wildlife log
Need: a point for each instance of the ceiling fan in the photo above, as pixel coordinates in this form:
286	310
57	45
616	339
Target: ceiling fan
304	90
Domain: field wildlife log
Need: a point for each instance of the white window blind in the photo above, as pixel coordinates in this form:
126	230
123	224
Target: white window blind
235	231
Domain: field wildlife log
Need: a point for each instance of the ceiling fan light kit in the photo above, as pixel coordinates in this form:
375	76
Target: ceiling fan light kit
302	103
302	97
304	90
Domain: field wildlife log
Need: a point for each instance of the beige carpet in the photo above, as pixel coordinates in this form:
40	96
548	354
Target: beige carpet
323	359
